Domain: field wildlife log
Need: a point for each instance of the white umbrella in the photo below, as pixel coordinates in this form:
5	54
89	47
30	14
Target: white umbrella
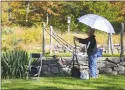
97	22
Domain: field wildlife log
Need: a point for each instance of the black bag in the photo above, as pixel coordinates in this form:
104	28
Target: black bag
75	72
33	71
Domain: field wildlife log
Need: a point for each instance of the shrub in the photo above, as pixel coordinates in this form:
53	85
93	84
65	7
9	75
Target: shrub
32	36
14	64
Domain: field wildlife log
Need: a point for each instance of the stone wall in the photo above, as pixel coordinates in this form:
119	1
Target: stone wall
111	65
62	66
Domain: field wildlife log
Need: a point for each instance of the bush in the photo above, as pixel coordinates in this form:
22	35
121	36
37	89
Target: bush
14	64
31	36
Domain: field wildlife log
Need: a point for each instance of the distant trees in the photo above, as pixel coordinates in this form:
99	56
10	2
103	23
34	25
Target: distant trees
55	13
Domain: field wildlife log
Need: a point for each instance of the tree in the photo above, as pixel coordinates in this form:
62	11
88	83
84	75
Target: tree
56	13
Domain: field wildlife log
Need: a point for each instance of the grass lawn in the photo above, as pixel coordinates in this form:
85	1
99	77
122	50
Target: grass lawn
104	82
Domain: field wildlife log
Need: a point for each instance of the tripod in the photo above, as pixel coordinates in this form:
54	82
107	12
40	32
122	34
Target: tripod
74	60
75	69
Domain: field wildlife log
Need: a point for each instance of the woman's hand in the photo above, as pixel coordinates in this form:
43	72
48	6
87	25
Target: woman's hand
75	38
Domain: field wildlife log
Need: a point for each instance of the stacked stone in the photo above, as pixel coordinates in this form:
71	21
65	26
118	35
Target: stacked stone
62	66
54	67
113	66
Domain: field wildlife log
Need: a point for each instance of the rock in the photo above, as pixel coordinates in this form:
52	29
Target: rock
122	63
53	65
100	64
54	70
61	71
68	62
61	63
97	71
66	70
101	59
44	67
113	59
121	72
47	73
119	68
46	62
53	61
49	69
123	58
105	70
62	66
114	72
84	67
109	64
82	58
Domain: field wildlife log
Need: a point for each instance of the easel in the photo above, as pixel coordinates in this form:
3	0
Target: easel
83	75
75	58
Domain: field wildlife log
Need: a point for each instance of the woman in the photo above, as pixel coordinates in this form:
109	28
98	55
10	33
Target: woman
91	51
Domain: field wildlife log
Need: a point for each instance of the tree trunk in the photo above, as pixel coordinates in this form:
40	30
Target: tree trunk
8	12
27	10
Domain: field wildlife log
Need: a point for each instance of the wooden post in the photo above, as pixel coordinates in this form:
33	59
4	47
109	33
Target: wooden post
43	40
68	28
51	40
68	21
47	19
109	43
0	47
121	40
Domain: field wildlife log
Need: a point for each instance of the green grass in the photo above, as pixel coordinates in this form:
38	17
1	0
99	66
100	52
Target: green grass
114	55
68	54
63	54
104	82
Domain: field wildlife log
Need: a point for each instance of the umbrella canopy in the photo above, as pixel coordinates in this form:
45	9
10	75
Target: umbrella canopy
97	22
